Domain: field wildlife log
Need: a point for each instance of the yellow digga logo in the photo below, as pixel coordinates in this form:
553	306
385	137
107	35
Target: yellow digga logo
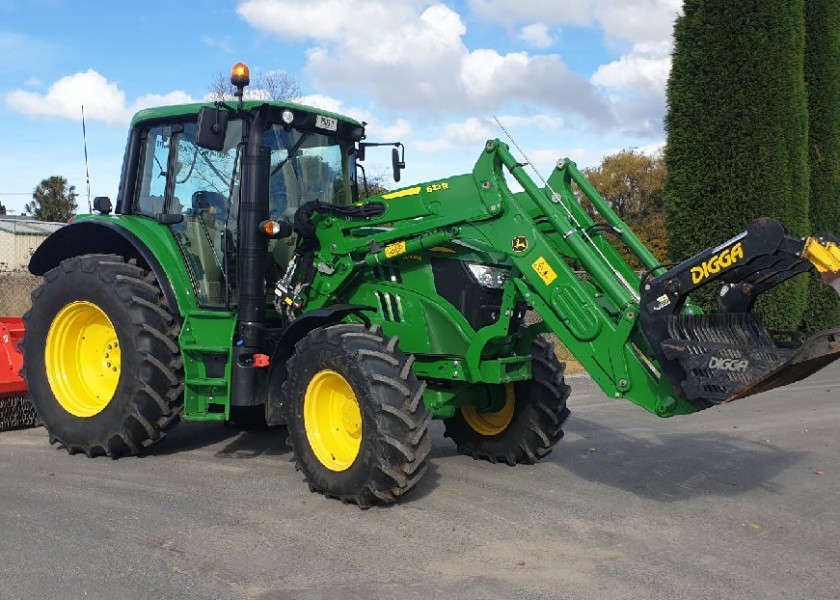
717	263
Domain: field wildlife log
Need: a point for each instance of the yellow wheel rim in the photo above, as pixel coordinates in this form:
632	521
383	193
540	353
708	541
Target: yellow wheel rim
82	358
333	420
491	423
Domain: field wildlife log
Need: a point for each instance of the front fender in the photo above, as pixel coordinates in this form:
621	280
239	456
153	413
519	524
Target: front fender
299	329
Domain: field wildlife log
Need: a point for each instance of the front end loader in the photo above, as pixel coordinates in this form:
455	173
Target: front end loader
240	275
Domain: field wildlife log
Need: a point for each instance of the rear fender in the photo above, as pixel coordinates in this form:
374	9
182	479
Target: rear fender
100	237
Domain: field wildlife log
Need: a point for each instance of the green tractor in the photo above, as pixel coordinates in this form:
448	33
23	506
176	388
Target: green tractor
238	274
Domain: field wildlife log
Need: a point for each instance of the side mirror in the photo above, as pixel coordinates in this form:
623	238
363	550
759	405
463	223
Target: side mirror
397	164
102	205
212	127
169	218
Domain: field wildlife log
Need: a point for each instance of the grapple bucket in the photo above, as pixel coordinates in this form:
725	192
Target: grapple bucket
726	357
15	410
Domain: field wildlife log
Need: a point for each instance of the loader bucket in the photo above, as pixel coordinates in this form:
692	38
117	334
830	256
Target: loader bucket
729	356
15	410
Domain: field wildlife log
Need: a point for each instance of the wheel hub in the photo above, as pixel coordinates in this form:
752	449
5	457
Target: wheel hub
491	423
83	358
333	420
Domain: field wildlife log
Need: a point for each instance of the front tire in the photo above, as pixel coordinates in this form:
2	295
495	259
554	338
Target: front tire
355	414
529	423
101	358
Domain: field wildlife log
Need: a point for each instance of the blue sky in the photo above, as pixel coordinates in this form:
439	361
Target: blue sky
577	78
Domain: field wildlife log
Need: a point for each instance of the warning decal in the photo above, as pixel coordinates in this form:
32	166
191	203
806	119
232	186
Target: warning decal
544	270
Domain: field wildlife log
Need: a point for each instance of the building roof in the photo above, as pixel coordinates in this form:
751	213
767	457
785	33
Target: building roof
21	225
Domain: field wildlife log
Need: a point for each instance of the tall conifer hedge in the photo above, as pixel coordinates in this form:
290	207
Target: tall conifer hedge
822	79
737	127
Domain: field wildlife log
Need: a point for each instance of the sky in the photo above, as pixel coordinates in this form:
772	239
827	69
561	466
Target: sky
567	78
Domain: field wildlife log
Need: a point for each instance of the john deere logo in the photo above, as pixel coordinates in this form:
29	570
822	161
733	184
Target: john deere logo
520	243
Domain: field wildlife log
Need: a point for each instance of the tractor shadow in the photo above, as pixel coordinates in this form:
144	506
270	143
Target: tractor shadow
225	441
672	466
230	441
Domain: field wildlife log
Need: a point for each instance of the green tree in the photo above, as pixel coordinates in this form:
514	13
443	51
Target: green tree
737	127
822	78
53	200
633	183
2	208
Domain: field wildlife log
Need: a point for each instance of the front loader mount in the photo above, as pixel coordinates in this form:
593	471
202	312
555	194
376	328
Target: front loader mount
730	354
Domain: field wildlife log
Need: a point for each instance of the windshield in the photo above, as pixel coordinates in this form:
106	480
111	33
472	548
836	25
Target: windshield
305	166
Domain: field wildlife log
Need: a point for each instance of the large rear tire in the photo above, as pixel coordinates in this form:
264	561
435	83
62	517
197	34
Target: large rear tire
529	423
101	358
355	414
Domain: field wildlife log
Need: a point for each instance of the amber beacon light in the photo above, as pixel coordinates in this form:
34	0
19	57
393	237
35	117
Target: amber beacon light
240	75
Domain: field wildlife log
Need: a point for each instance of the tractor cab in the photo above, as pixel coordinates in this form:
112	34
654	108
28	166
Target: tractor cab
190	175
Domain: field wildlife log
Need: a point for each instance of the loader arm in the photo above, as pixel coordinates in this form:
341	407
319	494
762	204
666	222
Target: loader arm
536	236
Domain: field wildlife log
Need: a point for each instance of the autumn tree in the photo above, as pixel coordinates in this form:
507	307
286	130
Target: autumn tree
822	78
737	126
53	200
372	185
633	183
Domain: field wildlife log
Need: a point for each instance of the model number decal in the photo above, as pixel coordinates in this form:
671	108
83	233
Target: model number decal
328	123
717	263
436	187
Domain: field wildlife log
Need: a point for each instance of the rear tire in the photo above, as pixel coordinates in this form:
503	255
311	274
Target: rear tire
528	426
355	414
101	358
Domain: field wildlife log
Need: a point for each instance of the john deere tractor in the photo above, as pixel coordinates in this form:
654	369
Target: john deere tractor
238	273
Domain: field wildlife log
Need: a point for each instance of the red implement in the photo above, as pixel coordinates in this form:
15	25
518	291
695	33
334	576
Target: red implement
11	360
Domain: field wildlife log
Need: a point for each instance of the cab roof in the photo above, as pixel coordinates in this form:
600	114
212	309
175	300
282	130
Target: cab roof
174	111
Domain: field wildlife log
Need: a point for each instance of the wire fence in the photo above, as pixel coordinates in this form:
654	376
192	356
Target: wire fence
19	238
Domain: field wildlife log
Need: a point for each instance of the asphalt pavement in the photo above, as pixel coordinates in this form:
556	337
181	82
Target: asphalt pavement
740	501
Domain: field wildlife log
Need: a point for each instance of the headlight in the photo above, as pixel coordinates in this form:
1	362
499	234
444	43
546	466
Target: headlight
489	277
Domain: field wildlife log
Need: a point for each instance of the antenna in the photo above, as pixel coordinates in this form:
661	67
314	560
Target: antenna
87	170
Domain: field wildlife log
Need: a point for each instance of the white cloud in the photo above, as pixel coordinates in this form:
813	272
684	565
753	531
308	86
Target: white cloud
537	35
375	128
103	100
472	132
541	121
324	103
645	67
432	146
636	83
411	56
636	21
